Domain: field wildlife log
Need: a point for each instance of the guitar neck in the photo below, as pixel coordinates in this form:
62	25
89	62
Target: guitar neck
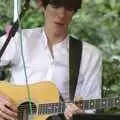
84	104
99	103
51	108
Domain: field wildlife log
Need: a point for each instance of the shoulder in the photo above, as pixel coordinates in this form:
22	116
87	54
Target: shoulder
25	33
90	50
28	34
91	59
32	32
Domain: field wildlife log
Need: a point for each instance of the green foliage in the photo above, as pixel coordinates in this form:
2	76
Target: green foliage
5	12
98	23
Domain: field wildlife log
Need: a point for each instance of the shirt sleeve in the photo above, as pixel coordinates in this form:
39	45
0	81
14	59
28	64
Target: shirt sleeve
10	54
90	74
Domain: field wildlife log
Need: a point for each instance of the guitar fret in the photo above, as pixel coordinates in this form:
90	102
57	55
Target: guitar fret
100	104
86	104
55	107
40	110
89	104
49	108
59	108
110	102
97	104
113	102
92	104
117	101
63	107
104	103
45	108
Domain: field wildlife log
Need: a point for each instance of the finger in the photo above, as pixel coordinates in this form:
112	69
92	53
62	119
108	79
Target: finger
68	115
8	112
4	116
11	105
1	118
73	109
6	101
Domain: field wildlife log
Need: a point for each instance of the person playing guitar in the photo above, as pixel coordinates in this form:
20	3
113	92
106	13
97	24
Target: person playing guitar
46	58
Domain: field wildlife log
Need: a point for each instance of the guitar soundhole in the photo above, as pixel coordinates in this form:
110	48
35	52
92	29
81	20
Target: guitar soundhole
25	110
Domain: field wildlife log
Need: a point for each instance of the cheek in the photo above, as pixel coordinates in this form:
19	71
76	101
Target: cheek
69	16
69	19
49	15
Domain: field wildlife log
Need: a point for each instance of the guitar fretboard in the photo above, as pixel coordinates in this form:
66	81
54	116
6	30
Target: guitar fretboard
84	104
50	108
99	103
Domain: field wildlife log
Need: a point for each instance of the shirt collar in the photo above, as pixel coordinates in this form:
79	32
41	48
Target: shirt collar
62	44
44	39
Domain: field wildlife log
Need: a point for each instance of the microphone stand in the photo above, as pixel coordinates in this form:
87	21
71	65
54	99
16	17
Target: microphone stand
10	35
14	28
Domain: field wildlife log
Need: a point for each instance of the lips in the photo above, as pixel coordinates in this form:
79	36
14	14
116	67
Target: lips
59	23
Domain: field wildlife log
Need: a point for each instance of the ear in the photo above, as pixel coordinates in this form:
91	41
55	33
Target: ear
42	9
40	6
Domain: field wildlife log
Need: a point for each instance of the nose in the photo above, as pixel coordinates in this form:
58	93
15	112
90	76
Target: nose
62	12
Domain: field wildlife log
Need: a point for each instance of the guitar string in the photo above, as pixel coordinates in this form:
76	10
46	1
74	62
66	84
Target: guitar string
24	66
44	106
83	102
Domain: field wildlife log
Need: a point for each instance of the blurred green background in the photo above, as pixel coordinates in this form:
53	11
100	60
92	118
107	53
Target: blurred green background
98	22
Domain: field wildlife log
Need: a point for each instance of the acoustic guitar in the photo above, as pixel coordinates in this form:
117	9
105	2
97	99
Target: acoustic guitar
45	102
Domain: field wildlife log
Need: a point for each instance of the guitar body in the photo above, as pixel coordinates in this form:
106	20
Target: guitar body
45	100
41	93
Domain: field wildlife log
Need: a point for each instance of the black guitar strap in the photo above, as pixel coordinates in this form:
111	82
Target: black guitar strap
75	53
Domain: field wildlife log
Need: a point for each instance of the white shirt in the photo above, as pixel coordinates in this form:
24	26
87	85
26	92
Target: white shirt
41	66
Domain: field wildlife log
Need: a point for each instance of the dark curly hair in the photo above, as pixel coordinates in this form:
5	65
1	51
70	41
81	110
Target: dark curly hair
70	4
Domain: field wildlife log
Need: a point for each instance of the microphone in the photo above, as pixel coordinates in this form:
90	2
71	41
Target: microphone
14	28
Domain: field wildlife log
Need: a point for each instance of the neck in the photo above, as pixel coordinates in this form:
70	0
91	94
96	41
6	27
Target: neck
55	37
